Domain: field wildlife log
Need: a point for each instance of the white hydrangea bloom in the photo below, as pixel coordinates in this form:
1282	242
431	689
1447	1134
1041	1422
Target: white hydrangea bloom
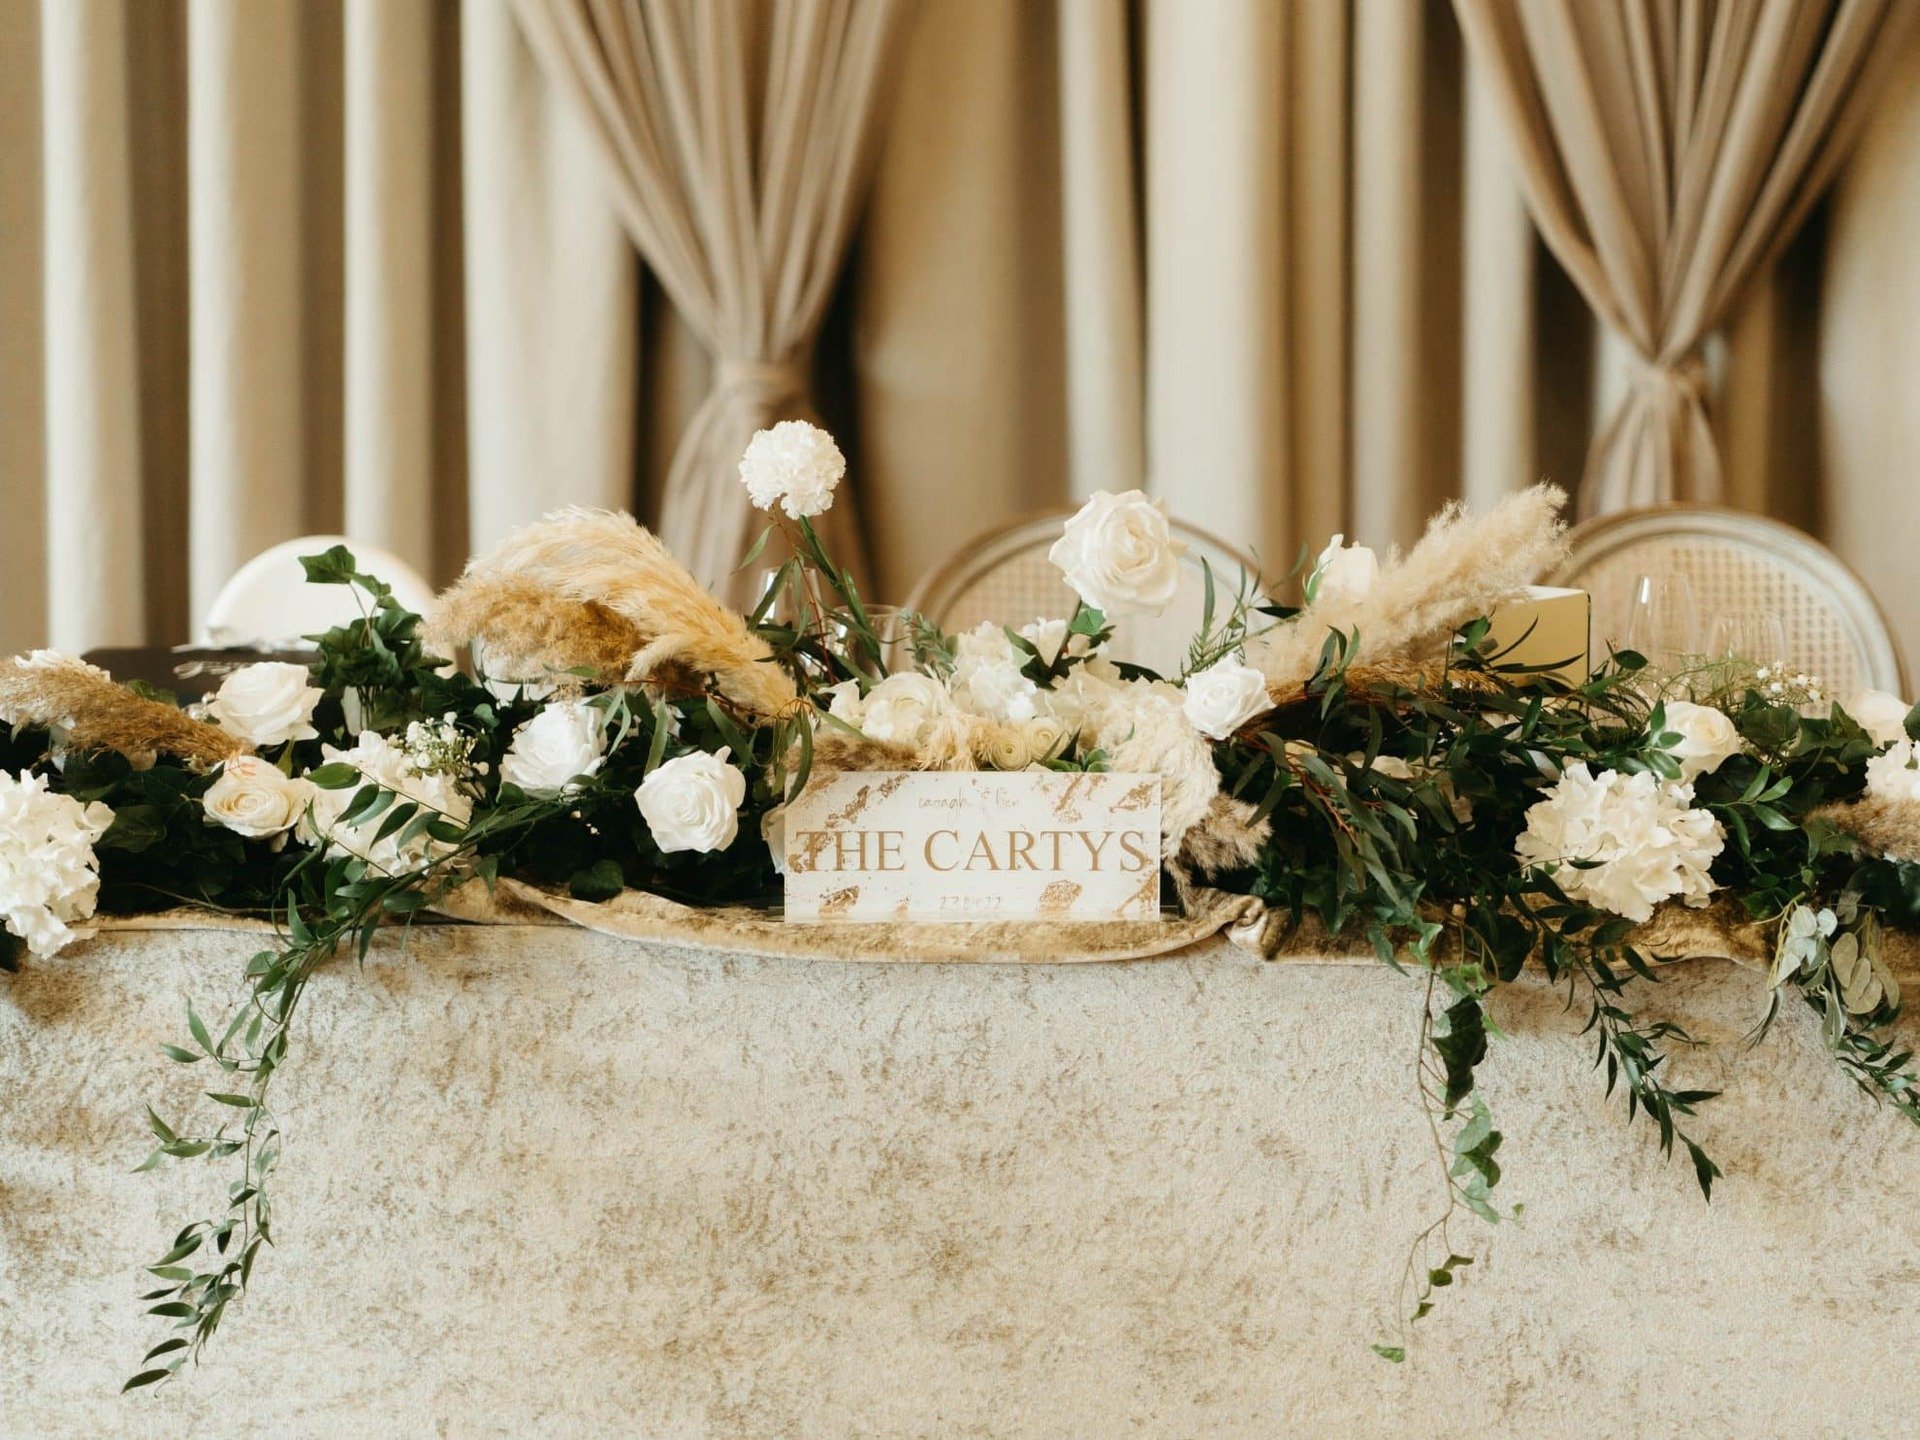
1049	638
49	876
902	708
1895	774
794	465
1650	843
380	760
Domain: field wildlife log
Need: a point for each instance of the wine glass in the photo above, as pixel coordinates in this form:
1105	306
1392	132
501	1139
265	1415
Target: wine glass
1660	622
1754	636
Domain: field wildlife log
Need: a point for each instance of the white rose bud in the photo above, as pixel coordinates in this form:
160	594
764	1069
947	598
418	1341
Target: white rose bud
564	743
901	708
1343	574
1119	556
266	704
1008	749
1224	696
1881	715
693	803
1046	737
1707	738
794	465
252	798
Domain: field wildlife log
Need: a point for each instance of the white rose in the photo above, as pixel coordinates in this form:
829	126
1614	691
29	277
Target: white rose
562	744
693	803
1046	737
901	708
252	798
1119	556
794	464
1707	738
1895	774
49	877
1343	573
266	704
1224	696
1881	715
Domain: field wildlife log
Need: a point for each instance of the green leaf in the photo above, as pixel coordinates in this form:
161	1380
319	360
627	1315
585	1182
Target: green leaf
335	566
199	1029
336	775
239	1102
1395	1353
181	1054
145	1377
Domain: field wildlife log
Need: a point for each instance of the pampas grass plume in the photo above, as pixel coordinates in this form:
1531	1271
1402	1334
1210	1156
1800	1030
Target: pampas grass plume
97	713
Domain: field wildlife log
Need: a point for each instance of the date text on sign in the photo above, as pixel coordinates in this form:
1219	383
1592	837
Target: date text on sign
974	845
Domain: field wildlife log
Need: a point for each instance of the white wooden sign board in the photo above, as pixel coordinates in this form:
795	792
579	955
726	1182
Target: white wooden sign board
974	845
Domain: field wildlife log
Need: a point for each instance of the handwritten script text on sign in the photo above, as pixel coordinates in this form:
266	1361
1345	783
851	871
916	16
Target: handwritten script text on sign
947	845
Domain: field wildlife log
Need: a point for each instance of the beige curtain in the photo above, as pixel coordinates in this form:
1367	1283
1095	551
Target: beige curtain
278	267
1668	149
738	139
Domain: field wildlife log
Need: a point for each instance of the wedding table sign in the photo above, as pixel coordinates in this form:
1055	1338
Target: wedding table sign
974	845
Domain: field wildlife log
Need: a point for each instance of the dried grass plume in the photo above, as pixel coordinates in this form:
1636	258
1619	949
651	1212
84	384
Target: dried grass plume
562	588
1462	568
97	713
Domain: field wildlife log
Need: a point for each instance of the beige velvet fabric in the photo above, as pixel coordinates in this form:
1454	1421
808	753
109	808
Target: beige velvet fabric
738	139
1668	149
545	1183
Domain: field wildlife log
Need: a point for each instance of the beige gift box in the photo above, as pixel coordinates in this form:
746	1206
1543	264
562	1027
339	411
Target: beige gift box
1552	627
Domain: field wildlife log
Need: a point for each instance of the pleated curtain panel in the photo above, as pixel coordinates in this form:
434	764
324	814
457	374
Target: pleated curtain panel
422	270
1669	149
738	138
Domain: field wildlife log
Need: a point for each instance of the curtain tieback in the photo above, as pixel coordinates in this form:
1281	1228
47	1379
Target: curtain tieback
1678	383
763	384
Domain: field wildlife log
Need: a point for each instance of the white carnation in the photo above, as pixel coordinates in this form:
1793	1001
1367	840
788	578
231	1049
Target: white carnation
902	708
1895	774
254	799
693	802
986	677
1650	844
386	764
266	704
1143	728
563	744
1224	696
49	877
1119	556
1343	573
1881	715
1707	738
794	465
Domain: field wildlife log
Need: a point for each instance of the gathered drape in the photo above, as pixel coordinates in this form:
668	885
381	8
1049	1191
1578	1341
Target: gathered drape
1669	148
738	139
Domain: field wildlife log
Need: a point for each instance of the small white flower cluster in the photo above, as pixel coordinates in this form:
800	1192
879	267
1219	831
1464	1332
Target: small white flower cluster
438	747
266	704
1647	841
551	753
49	876
1796	687
794	465
387	764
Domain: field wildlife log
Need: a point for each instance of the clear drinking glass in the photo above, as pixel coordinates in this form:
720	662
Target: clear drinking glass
1661	622
1755	636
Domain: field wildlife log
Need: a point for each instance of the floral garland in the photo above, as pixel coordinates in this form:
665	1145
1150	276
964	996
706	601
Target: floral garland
1366	761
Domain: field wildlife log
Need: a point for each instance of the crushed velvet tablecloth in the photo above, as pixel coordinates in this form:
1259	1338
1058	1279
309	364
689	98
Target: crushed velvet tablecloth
544	1182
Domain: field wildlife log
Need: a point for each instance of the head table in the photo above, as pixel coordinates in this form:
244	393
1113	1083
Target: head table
547	1182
